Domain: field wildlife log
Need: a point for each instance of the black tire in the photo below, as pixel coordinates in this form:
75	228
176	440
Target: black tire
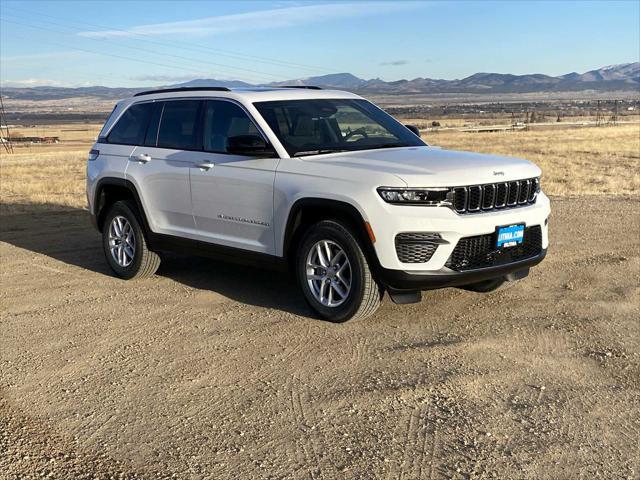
365	295
144	262
485	286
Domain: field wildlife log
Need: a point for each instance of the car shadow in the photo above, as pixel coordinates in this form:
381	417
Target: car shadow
66	235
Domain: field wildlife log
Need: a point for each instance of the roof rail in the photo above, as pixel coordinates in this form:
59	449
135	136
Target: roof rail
183	89
308	87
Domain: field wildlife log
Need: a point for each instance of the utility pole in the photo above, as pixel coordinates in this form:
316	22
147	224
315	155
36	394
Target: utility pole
4	130
599	116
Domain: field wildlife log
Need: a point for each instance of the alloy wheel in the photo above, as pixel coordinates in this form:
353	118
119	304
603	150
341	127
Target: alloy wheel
122	241
329	273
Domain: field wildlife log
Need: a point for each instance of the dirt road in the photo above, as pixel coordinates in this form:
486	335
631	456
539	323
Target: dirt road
216	371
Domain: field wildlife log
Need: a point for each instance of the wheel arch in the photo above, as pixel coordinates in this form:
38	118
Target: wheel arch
310	210
112	189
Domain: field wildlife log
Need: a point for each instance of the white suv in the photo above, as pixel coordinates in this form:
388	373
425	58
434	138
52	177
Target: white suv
320	181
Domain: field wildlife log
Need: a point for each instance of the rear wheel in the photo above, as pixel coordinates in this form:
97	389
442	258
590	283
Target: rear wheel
124	244
485	286
334	274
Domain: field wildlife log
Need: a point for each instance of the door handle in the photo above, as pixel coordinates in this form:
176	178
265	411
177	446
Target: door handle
143	158
205	166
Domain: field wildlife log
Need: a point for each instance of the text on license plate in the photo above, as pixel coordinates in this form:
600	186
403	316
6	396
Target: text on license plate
510	236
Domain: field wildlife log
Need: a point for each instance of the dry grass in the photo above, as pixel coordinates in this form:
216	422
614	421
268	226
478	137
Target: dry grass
73	136
52	180
578	161
549	121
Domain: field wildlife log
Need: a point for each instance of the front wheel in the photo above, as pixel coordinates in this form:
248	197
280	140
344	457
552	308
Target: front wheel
334	274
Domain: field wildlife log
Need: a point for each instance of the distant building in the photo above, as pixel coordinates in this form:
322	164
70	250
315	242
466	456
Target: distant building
33	139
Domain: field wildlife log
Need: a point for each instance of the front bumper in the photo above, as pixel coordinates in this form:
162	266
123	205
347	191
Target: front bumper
398	219
408	281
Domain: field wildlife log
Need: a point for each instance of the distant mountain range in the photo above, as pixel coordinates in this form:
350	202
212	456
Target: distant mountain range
622	77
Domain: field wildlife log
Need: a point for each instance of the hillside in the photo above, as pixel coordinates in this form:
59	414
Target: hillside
622	77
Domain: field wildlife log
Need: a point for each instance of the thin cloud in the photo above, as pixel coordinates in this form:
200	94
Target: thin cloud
33	82
396	63
39	57
258	20
167	78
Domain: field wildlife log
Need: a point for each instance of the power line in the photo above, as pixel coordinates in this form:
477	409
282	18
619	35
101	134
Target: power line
90	79
146	38
199	61
141	50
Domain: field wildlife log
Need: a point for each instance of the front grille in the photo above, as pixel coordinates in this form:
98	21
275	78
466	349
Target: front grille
512	196
502	191
416	247
488	196
460	199
475	196
480	251
492	196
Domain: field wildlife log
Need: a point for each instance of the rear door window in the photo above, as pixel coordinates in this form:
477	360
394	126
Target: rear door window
179	125
132	125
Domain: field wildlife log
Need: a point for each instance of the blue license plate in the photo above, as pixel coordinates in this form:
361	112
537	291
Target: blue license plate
510	236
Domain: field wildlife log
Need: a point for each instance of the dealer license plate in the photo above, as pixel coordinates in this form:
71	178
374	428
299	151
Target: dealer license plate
510	236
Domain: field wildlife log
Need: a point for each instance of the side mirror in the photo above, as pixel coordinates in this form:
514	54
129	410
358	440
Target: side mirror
249	145
414	129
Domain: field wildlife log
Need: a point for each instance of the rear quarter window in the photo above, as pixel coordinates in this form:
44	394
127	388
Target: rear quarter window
105	128
132	125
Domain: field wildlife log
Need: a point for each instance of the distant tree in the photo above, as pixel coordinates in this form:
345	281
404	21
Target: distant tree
435	123
559	119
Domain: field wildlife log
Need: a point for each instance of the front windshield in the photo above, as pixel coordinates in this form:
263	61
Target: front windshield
313	127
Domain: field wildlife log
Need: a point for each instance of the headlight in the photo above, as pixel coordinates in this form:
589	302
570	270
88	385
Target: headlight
416	196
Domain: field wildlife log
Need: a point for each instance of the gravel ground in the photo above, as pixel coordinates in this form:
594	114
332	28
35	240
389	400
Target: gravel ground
212	370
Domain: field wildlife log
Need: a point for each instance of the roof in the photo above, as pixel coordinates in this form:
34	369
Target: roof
250	94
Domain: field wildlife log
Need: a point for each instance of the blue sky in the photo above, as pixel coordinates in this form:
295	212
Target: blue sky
122	43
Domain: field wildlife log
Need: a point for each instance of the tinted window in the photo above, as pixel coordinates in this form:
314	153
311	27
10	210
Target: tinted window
223	120
132	125
151	137
311	127
101	135
178	125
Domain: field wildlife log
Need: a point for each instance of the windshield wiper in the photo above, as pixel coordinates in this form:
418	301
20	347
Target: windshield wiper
319	152
336	150
387	145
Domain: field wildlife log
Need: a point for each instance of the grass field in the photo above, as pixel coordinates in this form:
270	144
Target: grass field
575	161
213	370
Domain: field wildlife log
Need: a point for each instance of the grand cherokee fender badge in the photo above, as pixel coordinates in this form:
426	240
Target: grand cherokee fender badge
498	173
243	220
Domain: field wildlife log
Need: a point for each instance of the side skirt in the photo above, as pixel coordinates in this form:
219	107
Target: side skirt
187	246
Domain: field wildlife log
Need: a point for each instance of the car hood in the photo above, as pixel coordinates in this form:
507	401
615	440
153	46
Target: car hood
433	166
